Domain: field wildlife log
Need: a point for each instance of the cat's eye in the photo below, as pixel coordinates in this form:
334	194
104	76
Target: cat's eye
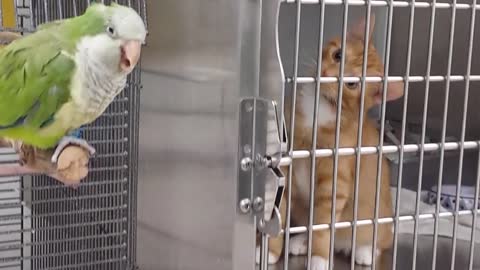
351	85
337	55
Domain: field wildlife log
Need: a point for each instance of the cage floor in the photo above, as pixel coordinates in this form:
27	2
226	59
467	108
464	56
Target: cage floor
405	256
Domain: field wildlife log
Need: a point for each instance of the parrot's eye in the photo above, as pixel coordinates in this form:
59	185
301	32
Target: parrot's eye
110	30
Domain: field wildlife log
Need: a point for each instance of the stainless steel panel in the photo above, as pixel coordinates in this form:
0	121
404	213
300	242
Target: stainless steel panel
200	59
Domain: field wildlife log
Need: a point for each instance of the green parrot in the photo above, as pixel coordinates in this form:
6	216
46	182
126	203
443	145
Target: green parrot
66	74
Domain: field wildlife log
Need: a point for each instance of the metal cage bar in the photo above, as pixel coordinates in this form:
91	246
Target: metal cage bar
291	137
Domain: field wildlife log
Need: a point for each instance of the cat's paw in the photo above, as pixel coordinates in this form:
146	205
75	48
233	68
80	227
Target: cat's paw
363	255
319	263
343	247
298	245
272	258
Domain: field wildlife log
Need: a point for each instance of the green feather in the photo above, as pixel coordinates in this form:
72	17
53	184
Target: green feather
35	77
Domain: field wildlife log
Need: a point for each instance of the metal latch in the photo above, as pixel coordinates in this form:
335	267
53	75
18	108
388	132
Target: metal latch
260	181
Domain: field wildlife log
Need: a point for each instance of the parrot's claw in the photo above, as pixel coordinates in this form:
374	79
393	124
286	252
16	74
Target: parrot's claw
66	141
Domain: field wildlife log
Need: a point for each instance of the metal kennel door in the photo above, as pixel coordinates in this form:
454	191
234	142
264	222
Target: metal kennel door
93	226
430	46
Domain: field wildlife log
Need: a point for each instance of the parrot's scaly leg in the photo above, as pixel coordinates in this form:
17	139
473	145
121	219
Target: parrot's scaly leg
69	140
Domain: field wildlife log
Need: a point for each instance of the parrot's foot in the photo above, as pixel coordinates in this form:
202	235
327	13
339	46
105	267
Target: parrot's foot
66	141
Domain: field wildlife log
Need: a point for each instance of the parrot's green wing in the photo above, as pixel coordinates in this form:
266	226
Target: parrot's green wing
35	75
50	25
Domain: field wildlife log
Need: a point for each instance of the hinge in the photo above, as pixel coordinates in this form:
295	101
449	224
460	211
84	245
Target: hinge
261	146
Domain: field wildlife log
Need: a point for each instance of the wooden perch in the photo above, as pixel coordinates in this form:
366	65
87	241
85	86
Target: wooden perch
7	38
71	168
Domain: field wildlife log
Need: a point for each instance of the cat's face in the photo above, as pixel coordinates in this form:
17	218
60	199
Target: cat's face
353	57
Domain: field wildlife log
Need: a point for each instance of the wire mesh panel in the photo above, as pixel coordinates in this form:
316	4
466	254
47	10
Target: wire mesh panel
399	181
12	212
50	226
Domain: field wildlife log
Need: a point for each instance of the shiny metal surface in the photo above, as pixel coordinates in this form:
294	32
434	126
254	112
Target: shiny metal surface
200	59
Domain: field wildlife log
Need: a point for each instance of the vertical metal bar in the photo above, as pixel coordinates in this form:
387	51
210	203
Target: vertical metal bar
32	17
382	131
360	134
440	170
22	221
144	9
46	10
475	209
420	177
22	207
292	135
60	9
467	89
314	136
337	137
464	123
402	139
264	253
74	7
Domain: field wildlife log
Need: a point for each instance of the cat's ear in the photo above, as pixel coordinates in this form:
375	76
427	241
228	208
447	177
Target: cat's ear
358	28
394	91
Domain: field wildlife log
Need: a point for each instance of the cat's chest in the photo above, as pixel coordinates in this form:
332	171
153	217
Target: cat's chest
326	114
302	173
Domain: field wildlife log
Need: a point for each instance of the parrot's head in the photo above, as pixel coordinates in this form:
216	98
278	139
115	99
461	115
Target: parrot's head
123	35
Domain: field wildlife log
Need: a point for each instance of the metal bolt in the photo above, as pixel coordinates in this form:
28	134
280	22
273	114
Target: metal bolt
245	205
258	204
262	223
261	161
246	163
248	107
247	149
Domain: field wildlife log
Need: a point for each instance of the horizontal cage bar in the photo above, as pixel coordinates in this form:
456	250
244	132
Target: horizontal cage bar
365	222
387	149
383	3
435	78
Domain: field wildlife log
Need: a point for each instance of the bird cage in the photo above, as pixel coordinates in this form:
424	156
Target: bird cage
45	225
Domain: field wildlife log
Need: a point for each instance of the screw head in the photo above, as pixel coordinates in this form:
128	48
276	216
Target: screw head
261	161
246	163
245	205
247	149
258	204
248	107
262	223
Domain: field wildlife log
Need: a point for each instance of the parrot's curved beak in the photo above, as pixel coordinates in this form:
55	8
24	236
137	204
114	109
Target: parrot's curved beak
130	55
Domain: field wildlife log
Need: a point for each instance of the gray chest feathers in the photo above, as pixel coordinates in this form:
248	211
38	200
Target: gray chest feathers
100	86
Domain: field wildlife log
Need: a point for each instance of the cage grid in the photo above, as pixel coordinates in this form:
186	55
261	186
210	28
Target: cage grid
400	148
45	225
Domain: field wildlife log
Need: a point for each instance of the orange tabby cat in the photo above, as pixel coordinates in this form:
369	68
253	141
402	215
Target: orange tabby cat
331	58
